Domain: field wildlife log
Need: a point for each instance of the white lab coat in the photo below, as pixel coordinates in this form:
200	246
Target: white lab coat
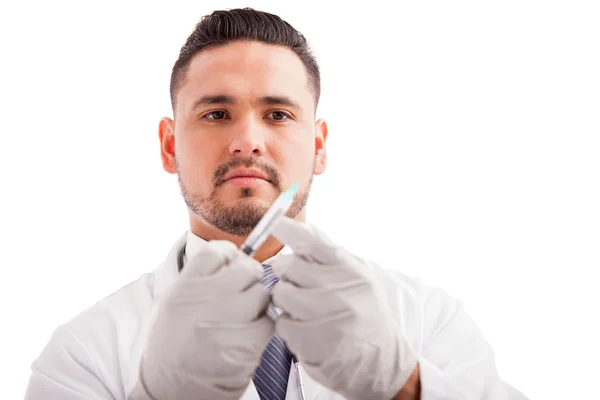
95	356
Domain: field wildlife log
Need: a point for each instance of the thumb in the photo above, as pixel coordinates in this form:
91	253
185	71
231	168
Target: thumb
210	259
305	240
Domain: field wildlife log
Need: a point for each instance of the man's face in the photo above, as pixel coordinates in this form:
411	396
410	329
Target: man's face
244	109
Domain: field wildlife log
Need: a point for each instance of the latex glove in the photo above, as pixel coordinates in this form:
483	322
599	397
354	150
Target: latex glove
208	330
336	318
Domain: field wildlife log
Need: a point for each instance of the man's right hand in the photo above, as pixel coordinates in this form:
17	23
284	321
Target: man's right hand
208	330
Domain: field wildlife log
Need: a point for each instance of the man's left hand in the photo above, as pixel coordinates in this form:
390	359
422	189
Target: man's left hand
336	318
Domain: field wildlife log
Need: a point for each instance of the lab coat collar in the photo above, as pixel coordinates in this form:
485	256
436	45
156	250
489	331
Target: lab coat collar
167	272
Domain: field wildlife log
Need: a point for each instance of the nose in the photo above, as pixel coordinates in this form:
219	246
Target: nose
248	140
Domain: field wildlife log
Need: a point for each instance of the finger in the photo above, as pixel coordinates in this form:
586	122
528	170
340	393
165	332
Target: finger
315	340
296	270
211	257
305	240
259	332
240	272
309	274
245	341
245	306
304	304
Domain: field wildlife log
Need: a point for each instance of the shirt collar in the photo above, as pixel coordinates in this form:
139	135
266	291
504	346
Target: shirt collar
167	272
195	244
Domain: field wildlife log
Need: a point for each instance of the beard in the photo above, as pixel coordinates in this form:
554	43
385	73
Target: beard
239	219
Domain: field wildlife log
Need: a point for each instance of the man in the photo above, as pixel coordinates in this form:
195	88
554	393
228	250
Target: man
244	92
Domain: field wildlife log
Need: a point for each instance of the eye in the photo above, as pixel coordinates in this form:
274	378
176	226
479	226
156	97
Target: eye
215	115
279	116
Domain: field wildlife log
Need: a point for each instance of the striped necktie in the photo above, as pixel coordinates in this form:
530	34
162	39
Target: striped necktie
271	376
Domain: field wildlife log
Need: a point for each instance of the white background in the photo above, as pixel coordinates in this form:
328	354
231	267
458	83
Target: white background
464	149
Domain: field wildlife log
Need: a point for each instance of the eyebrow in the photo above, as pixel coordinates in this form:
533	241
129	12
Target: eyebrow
212	100
224	99
279	100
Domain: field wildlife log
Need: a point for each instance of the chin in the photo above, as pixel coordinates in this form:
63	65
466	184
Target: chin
249	208
248	194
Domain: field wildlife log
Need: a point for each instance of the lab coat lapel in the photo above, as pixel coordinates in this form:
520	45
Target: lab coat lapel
312	389
293	391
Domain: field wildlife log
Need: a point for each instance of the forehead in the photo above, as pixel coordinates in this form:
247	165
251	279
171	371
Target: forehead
246	70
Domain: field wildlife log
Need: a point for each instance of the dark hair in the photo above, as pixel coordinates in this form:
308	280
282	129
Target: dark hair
225	26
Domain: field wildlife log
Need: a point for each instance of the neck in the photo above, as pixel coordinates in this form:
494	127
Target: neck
208	232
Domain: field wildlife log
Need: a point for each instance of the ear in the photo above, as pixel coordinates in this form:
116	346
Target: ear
320	146
166	134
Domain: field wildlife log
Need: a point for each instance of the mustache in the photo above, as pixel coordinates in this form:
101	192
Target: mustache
223	169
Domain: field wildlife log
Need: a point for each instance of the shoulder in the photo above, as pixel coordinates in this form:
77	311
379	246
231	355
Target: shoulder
124	307
423	309
412	288
431	318
102	342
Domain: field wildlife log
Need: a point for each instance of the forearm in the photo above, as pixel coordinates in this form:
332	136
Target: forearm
412	388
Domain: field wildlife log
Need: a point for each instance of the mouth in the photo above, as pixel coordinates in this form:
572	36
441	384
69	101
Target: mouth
246	177
245	181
